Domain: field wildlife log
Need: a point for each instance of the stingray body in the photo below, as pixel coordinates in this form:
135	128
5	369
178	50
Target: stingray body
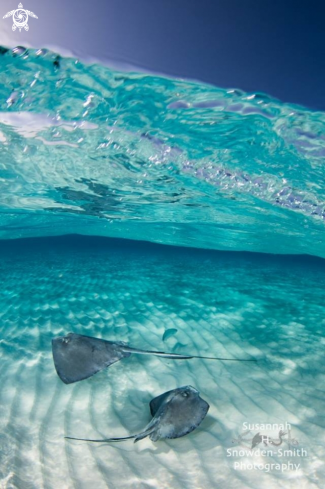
174	414
168	333
77	357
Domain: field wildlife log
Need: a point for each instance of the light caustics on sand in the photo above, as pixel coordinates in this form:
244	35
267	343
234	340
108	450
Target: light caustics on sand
102	152
225	304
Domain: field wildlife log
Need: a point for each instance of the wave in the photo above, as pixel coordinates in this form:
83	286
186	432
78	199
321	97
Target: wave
86	149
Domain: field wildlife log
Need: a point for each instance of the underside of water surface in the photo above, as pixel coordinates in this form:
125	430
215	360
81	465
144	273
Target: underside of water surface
88	150
233	183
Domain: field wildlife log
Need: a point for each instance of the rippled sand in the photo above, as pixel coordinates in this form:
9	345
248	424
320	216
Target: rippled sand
220	303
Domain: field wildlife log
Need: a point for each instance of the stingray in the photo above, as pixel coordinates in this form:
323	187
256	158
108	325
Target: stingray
168	333
77	357
174	414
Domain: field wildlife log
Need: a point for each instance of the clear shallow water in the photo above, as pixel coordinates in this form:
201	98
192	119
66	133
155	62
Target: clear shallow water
88	150
229	304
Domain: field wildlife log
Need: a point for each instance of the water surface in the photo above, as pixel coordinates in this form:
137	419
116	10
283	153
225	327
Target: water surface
221	175
85	149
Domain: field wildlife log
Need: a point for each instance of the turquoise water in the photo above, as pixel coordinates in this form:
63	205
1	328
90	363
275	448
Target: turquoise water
97	151
221	303
235	182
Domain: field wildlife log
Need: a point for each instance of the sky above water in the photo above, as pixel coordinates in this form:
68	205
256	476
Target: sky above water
268	46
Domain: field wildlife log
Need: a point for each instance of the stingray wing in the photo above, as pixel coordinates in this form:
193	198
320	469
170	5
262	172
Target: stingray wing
192	415
77	357
31	14
158	401
8	14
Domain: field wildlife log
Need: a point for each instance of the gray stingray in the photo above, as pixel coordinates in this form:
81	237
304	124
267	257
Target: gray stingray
174	414
77	357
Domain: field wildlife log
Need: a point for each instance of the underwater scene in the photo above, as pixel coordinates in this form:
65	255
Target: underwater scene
162	277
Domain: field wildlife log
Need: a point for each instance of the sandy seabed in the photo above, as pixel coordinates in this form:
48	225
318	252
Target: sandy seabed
221	304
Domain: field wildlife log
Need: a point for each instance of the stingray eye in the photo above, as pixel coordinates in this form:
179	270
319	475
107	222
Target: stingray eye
185	394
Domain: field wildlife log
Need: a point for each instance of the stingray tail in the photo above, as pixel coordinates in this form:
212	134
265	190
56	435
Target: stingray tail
177	356
106	440
150	428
